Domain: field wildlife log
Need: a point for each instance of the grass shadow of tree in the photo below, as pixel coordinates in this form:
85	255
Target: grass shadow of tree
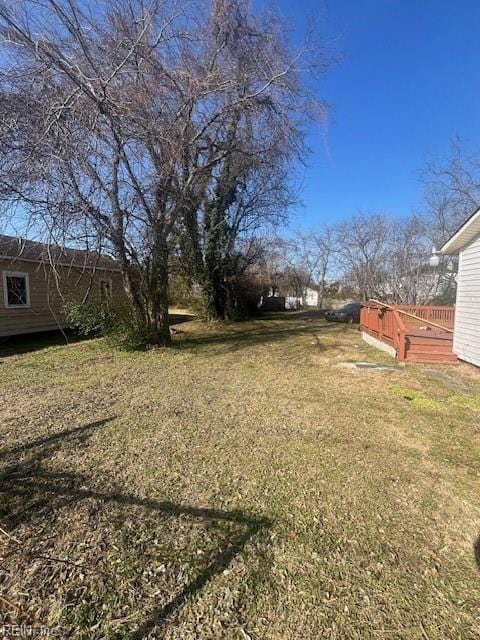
28	343
34	496
244	338
476	551
31	342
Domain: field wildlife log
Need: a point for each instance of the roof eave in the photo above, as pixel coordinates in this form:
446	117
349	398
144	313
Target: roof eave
69	265
463	236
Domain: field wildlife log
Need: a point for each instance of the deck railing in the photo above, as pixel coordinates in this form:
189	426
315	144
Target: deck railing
391	326
444	316
383	324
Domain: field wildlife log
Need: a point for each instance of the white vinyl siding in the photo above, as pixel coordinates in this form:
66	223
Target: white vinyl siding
466	342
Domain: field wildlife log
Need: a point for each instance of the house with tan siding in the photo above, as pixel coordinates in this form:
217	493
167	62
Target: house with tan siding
35	280
466	243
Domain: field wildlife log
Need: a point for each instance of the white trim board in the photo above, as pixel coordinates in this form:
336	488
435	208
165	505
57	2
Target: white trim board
15	274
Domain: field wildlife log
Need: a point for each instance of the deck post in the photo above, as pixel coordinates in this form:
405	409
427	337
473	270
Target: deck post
402	346
401	334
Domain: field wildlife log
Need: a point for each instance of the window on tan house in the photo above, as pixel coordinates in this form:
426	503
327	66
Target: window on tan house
105	290
16	290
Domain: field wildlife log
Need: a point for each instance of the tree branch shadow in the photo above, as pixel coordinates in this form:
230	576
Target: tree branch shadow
37	494
237	340
80	433
31	342
476	551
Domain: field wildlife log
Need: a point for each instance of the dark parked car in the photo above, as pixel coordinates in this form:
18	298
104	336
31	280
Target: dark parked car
349	313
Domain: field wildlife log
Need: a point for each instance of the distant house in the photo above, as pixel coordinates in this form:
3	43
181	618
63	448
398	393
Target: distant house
35	278
466	243
289	300
310	298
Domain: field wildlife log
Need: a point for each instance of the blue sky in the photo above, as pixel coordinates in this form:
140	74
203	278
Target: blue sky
408	81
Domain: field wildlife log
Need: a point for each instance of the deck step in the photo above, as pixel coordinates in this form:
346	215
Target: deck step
428	340
430	348
434	348
432	358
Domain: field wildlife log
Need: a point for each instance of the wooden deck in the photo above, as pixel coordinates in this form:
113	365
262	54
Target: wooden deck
411	339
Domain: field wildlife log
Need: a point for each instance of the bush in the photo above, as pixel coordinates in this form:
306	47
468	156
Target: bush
180	292
123	328
89	318
129	332
245	293
197	306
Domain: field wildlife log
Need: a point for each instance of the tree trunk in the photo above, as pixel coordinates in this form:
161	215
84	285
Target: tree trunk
160	331
321	295
213	291
213	278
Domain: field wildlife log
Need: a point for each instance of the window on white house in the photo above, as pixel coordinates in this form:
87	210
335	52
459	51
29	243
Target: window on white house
16	290
105	290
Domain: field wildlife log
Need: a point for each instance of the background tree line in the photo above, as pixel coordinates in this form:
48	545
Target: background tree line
375	255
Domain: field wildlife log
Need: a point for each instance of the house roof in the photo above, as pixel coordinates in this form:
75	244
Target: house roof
463	236
30	251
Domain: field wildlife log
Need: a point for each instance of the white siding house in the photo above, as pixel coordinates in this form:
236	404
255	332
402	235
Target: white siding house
311	297
466	242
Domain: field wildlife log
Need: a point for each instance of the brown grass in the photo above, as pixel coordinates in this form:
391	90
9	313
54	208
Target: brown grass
240	485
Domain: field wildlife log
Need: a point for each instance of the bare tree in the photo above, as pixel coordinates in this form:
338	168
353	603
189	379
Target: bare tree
451	191
88	106
389	259
408	278
133	126
363	247
325	247
272	265
263	132
308	260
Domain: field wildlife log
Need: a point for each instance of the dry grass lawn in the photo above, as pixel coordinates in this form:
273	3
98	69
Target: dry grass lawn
240	485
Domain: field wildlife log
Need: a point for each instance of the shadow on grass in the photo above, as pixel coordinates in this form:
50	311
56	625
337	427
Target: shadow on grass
17	345
179	318
476	551
233	337
30	342
34	496
240	338
79	434
293	316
